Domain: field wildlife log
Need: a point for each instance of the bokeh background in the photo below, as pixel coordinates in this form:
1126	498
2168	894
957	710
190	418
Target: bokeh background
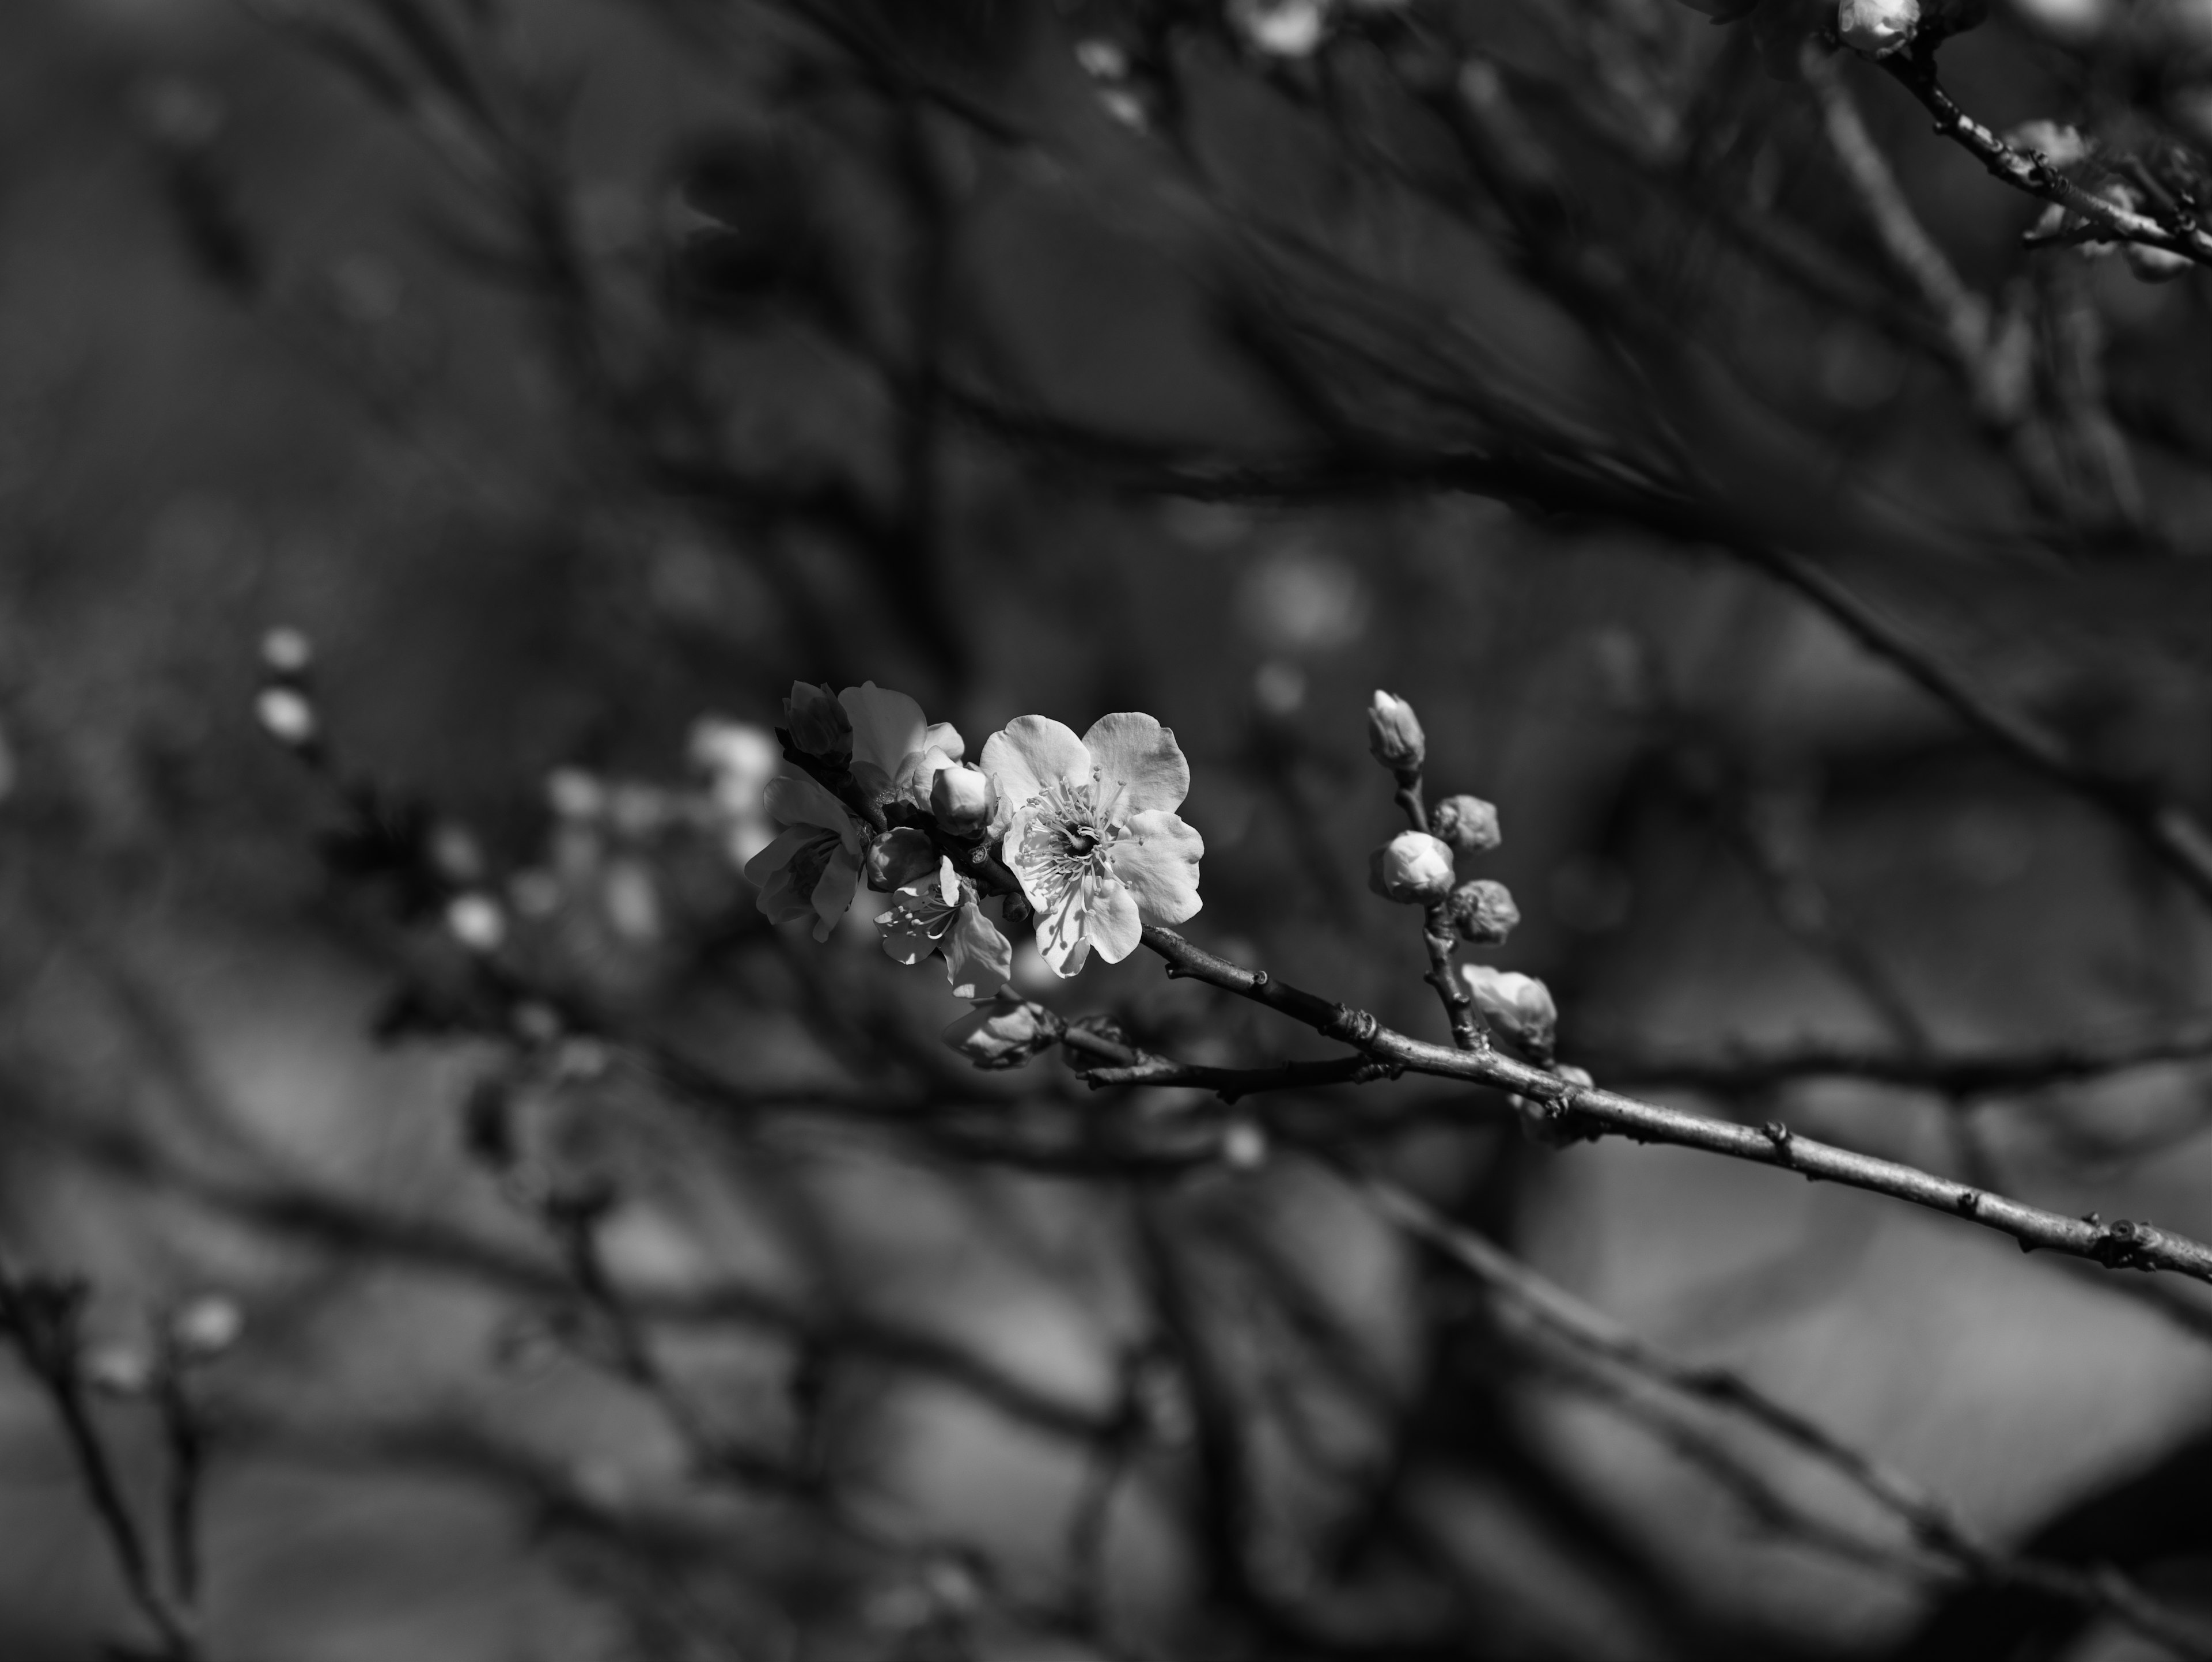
569	372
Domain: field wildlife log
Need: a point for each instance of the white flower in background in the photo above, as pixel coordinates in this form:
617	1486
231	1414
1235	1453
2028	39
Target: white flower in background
814	866
1092	833
940	914
1281	28
738	759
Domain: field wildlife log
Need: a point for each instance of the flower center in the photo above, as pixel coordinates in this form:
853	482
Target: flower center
1068	838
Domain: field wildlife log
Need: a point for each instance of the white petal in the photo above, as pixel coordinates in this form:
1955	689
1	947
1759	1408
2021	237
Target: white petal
1029	754
1114	927
1141	767
975	953
1158	855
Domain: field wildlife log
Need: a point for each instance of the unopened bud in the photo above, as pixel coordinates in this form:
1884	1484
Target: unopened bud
1482	911
963	799
118	1370
287	653
287	716
205	1328
1412	868
1393	732
1468	823
817	723
899	857
1519	1004
1244	1147
1004	1031
476	920
918	772
1877	27
2156	264
573	793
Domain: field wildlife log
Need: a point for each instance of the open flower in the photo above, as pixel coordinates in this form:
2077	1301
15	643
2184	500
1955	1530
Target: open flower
814	865
940	914
1092	833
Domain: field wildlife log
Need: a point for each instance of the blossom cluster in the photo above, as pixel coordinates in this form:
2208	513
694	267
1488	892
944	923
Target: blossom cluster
1075	838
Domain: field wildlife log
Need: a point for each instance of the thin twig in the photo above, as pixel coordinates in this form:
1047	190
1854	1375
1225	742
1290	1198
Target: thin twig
1932	1524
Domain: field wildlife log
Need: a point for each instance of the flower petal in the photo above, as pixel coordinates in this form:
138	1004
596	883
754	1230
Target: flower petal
1030	752
778	854
1140	766
1115	927
833	895
975	953
911	929
1158	855
886	727
1062	936
796	799
943	735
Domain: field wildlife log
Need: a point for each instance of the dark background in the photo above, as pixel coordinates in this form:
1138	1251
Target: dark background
567	372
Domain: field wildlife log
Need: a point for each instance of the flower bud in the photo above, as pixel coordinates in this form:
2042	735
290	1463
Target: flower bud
476	920
1412	868
1468	823
917	773
206	1327
1393	732
1877	27
963	799
1004	1031
899	857
1518	1004
287	716
118	1370
1482	911
287	653
1244	1146
817	723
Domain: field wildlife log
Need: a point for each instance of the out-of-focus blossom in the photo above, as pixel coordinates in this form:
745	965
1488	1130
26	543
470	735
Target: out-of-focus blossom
898	857
813	868
118	1370
287	716
817	721
1482	911
1877	27
2156	264
1519	1004
476	920
287	652
1281	28
1468	823
941	913
1092	833
1393	732
737	758
205	1327
1412	868
964	799
2060	145
1004	1031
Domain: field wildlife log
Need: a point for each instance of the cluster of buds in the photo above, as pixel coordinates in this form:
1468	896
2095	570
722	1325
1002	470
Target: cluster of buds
285	704
1420	868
